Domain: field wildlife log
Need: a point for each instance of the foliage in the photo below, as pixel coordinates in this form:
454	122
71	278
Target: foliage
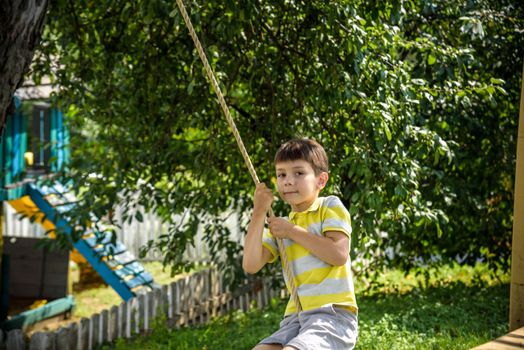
414	101
453	311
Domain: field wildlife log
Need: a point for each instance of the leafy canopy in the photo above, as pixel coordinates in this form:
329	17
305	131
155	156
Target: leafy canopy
414	101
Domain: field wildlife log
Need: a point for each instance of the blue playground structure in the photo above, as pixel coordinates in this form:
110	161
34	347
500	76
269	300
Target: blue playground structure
29	155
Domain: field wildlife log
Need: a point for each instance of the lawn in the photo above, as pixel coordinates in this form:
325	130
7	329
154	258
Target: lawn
452	308
97	298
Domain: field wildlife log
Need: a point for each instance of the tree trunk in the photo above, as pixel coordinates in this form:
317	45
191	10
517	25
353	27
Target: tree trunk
21	23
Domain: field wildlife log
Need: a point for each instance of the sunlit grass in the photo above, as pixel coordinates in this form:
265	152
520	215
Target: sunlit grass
397	281
98	298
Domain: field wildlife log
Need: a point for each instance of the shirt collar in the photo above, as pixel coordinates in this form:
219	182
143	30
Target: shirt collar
312	207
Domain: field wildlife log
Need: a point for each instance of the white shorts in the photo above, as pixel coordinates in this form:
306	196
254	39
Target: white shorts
327	328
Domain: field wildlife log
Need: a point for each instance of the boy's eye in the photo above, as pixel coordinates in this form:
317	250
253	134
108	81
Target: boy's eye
298	173
281	175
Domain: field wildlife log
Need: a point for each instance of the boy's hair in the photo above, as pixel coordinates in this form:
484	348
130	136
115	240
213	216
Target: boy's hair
304	149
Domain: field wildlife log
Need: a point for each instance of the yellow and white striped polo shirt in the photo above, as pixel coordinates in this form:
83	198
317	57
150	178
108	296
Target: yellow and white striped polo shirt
318	283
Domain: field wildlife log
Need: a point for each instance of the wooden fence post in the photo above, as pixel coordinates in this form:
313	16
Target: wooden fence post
112	331
122	320
156	304
62	339
143	321
83	334
104	327
73	336
94	331
174	304
131	318
41	341
15	340
182	302
214	293
208	297
164	302
150	302
151	309
189	295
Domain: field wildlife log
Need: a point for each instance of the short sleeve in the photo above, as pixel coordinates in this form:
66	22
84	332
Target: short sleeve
270	243
336	217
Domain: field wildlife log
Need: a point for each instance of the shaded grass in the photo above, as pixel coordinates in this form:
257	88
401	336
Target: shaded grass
451	308
453	316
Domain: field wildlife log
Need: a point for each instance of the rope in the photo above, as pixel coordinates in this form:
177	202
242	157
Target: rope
287	268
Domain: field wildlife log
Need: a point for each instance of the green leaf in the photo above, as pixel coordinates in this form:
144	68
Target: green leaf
431	59
387	131
497	81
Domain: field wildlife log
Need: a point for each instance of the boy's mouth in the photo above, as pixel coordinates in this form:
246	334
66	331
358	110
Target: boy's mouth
290	192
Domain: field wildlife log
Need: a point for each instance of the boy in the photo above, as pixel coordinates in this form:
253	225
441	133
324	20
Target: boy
317	240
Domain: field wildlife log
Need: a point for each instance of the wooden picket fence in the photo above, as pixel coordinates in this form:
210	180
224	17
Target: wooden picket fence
192	300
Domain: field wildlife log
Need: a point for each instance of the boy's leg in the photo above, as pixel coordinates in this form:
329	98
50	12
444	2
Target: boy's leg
268	347
326	328
288	329
272	347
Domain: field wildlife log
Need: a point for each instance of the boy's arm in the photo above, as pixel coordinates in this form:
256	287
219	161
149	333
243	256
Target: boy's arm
333	248
255	254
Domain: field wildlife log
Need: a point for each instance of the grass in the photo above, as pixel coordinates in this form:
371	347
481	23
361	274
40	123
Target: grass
100	297
451	308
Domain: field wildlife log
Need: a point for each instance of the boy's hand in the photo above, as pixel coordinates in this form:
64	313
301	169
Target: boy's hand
263	198
280	227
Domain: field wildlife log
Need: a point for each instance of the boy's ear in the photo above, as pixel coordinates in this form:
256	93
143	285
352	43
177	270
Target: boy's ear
322	180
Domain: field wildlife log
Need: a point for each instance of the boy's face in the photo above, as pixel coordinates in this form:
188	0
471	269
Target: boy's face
297	183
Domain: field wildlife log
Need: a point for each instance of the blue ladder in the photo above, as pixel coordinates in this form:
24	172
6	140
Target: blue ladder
109	258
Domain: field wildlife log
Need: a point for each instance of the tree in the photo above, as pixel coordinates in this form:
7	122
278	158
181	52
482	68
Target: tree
407	97
21	24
